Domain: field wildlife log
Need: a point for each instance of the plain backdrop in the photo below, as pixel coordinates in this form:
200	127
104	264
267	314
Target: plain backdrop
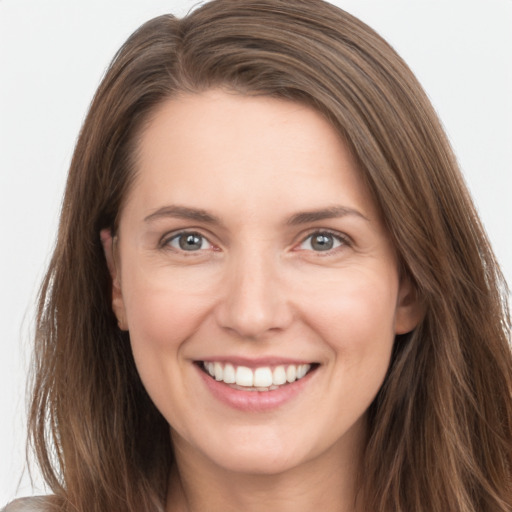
52	57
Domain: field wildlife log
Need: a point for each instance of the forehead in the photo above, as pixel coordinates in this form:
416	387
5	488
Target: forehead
217	148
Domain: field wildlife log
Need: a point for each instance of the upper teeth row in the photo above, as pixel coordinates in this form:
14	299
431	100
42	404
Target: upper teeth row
262	377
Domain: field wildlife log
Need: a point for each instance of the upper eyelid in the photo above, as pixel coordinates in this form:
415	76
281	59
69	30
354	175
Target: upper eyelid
343	237
345	243
337	234
171	235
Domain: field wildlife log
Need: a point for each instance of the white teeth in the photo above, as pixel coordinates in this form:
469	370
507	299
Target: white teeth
278	376
244	376
262	378
302	370
291	373
229	374
218	370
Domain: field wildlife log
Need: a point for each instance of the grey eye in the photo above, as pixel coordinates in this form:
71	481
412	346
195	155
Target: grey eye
321	241
189	242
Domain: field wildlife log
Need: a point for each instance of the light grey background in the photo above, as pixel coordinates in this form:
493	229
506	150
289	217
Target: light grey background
52	57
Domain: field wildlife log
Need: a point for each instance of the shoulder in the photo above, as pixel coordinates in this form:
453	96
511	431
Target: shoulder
36	504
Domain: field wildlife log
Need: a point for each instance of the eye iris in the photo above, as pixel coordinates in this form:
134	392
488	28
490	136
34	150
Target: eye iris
322	242
190	242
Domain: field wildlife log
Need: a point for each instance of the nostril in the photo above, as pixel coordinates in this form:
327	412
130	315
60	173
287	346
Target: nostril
252	318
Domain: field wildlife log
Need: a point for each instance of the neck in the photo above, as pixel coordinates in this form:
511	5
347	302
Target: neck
327	482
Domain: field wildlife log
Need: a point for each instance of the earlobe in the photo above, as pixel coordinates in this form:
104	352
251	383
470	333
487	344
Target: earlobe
410	309
109	249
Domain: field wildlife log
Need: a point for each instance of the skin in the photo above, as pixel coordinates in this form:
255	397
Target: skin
256	287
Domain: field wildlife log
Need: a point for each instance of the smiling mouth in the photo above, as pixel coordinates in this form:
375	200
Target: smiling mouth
264	378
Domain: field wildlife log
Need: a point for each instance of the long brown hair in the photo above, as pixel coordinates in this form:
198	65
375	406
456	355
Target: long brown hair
440	429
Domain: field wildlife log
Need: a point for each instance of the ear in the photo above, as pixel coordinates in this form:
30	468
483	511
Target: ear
109	248
410	308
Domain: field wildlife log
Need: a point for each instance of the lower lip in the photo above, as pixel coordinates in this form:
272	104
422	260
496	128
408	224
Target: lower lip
254	401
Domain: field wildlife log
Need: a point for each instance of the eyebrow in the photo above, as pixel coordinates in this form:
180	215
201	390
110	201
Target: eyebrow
332	212
200	215
183	212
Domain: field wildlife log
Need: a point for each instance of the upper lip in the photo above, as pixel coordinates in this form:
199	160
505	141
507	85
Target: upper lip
256	362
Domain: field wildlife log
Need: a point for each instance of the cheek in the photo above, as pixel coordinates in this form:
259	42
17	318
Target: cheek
162	308
355	317
358	301
161	320
358	327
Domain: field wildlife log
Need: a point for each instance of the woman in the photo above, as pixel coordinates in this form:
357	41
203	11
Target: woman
270	289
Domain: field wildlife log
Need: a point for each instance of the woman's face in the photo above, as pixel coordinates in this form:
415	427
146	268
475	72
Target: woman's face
250	254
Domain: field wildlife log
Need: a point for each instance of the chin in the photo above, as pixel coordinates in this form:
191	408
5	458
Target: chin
258	462
250	451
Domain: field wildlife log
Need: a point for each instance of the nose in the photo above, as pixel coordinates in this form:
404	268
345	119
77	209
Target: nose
254	300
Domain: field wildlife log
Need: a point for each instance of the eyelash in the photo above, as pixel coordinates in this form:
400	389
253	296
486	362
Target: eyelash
341	239
166	242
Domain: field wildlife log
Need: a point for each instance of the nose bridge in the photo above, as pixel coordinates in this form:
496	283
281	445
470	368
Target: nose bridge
254	301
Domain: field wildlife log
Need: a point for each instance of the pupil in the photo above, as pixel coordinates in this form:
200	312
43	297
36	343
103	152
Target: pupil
190	242
322	242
